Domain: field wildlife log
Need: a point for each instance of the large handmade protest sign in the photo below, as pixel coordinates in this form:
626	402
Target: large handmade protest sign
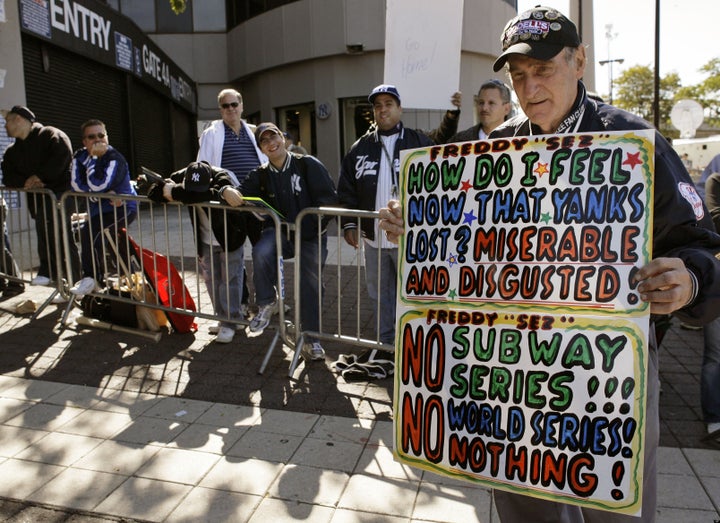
521	338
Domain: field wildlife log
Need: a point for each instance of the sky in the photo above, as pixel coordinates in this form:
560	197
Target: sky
688	35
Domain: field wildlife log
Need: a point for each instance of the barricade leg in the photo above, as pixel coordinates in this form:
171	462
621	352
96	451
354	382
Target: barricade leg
269	353
10	284
351	299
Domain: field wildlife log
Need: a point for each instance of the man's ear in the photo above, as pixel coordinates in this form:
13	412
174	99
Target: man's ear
580	61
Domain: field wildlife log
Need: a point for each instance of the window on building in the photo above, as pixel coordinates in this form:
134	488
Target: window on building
169	22
239	11
209	16
141	12
253	118
357	116
298	121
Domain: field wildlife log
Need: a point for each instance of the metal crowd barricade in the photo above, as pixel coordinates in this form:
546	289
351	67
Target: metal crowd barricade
167	229
348	325
20	239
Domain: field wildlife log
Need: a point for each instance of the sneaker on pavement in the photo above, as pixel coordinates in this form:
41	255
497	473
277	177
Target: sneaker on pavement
262	318
225	335
59	299
214	329
84	286
315	352
40	280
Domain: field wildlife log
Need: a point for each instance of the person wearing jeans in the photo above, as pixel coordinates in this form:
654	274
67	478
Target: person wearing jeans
382	288
99	168
289	183
265	275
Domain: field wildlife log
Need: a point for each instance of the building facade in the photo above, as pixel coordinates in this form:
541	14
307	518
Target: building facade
306	64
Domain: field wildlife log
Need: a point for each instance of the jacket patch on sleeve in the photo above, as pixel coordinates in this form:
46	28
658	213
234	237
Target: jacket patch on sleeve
688	192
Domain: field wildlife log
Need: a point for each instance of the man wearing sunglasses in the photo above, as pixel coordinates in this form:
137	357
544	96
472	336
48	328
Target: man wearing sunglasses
100	168
229	143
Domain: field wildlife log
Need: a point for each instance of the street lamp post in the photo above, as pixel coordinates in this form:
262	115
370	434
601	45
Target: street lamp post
610	37
610	61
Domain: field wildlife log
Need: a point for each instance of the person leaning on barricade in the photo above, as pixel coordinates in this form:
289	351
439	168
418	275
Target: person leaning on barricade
289	183
40	159
546	69
99	168
219	236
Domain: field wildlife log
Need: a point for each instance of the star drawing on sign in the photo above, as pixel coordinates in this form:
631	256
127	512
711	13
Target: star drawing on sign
452	259
466	185
452	294
633	159
541	169
545	218
470	217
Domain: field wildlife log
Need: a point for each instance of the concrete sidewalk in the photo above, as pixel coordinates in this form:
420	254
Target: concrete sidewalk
105	426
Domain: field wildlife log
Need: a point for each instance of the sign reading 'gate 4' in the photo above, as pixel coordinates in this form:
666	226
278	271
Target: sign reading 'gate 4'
522	341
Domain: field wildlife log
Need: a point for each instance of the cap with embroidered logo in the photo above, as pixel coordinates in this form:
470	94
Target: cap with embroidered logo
264	127
197	177
384	89
540	32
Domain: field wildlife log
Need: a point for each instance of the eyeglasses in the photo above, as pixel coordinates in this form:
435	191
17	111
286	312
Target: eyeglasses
94	136
231	104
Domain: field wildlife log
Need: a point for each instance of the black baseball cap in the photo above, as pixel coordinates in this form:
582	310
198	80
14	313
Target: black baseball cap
540	32
197	177
23	111
264	127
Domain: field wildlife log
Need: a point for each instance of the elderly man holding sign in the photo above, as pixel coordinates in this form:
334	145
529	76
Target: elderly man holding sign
545	60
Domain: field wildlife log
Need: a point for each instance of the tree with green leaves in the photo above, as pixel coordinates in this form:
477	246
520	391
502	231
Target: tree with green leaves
635	89
706	93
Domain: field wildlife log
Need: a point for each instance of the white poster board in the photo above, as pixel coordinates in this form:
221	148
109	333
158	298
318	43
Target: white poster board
422	51
521	338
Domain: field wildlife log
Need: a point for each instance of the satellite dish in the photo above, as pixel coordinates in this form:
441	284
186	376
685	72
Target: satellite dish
686	116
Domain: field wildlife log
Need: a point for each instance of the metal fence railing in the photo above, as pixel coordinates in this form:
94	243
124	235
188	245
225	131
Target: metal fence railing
31	243
165	234
343	317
